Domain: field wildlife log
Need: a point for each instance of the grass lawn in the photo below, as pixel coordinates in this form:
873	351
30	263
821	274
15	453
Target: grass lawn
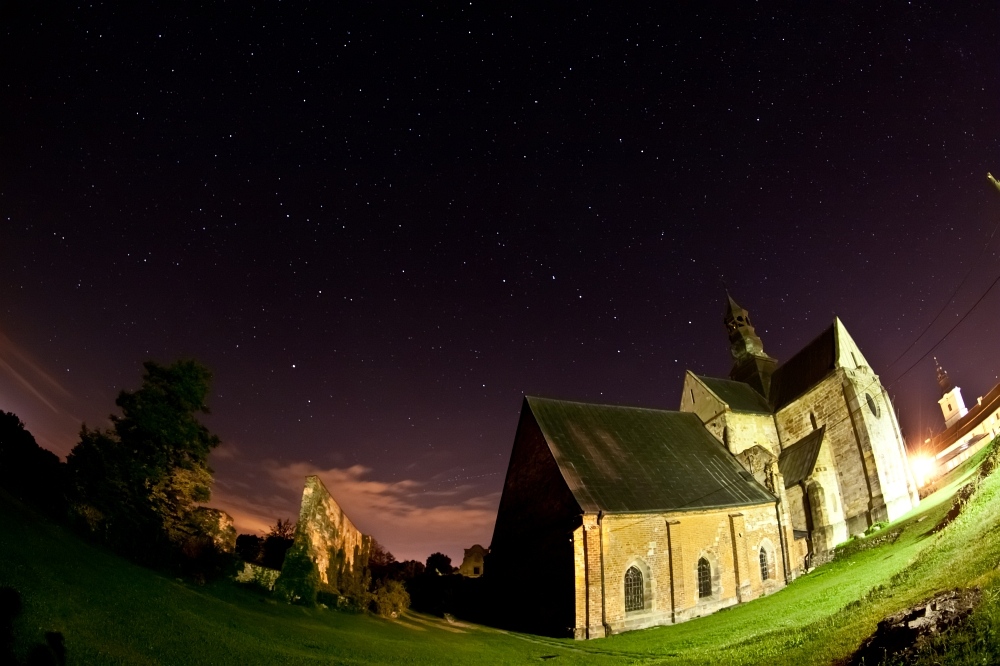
111	611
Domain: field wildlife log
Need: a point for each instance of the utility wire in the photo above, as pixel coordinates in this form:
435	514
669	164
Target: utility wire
951	297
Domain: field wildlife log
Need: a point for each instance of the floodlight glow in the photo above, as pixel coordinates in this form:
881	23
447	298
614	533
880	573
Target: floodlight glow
923	467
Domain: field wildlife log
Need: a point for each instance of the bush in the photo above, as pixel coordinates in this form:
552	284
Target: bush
876	527
299	582
391	599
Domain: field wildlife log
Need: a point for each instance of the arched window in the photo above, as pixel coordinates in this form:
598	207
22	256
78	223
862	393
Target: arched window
765	568
704	578
633	590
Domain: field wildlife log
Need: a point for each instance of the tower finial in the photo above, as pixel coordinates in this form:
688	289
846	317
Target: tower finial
942	378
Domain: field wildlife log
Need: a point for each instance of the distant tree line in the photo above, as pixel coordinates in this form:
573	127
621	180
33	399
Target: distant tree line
269	550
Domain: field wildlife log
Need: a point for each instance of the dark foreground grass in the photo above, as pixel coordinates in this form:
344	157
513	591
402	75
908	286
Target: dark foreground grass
111	611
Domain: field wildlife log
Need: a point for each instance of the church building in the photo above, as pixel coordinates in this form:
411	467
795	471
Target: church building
616	518
966	430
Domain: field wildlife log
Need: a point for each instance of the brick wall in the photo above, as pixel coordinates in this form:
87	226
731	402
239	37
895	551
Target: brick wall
667	557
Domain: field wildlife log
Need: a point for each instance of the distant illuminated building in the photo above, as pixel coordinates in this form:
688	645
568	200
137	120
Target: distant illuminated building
952	405
966	430
472	563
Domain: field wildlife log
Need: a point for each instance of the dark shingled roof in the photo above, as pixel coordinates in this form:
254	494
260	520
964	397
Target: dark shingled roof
796	462
625	459
740	396
804	370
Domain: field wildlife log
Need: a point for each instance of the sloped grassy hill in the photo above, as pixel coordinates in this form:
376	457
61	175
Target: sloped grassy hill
111	611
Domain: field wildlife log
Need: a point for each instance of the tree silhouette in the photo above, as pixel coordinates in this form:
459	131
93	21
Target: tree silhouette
28	471
439	563
138	484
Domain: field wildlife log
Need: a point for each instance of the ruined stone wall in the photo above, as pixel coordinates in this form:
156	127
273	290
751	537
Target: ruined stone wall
667	557
328	551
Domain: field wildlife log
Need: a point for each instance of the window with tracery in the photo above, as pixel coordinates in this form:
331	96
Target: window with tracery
704	578
765	569
633	590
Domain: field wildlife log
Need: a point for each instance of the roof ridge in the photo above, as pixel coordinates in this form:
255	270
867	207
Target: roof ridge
602	404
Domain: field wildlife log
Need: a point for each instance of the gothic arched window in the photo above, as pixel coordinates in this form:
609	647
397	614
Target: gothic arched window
633	590
704	578
765	569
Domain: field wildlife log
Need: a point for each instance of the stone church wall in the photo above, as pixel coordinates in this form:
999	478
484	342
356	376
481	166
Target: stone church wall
746	429
729	539
695	397
826	404
879	432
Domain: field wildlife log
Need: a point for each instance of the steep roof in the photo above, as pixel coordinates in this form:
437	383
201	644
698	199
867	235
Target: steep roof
804	370
797	461
740	396
629	459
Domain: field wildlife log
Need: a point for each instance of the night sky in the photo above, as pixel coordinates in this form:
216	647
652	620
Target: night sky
380	227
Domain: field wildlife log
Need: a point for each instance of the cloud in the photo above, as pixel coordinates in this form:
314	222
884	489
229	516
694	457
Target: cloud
405	515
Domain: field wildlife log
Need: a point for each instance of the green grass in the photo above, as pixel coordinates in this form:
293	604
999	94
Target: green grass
111	611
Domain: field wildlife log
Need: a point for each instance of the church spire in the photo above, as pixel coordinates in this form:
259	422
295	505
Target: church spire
942	378
750	363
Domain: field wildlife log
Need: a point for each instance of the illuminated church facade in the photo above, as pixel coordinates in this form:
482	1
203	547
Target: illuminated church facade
616	518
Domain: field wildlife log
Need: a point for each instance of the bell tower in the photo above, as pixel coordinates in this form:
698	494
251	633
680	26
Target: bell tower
952	404
750	364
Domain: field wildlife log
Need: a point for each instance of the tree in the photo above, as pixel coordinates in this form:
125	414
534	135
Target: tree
248	548
439	563
137	485
380	561
276	544
284	529
390	598
27	470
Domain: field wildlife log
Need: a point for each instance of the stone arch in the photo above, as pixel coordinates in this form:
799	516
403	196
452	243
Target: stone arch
714	576
640	566
817	504
768	560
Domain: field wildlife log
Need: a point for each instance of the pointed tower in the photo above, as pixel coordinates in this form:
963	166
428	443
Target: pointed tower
952	405
750	364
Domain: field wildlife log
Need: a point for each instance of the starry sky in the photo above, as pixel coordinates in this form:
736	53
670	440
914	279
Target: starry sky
381	226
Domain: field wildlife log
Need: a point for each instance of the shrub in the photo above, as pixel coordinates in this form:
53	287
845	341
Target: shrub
391	599
299	581
876	527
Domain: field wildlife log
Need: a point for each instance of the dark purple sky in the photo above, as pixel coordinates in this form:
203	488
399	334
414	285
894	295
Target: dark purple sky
381	227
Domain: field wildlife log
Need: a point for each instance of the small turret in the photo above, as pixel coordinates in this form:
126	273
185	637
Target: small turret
750	364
